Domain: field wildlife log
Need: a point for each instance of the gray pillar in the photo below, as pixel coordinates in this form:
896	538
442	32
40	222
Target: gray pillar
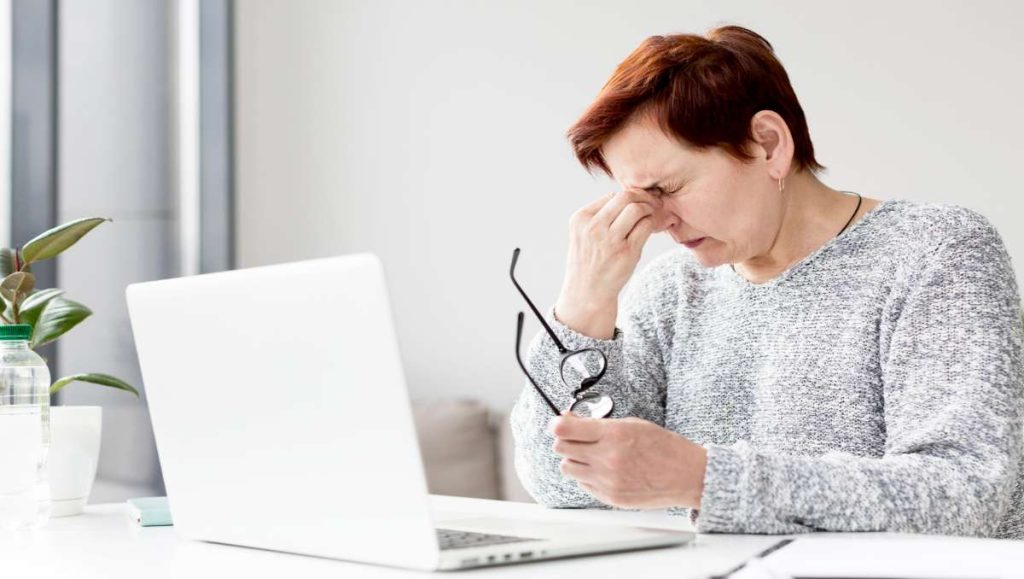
115	161
34	132
216	136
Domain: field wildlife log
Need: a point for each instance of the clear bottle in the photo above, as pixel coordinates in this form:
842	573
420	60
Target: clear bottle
24	431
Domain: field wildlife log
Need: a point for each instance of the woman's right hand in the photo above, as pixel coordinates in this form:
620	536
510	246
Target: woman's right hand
606	239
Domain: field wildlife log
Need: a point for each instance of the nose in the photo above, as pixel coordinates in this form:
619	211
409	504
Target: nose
664	219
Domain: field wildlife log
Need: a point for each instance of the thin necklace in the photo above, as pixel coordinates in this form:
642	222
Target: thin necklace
859	200
848	222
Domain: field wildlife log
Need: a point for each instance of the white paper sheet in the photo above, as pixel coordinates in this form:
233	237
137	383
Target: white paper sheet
891	555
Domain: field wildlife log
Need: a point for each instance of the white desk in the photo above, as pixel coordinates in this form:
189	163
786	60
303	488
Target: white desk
103	542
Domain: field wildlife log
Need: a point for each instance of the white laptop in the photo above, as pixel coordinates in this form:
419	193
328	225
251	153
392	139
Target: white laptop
282	422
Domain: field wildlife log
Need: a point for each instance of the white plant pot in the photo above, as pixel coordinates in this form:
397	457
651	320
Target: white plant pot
74	454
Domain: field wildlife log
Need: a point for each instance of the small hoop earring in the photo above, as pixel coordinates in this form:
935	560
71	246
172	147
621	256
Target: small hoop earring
781	185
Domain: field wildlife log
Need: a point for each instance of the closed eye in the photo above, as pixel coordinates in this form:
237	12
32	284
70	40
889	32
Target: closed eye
664	190
668	191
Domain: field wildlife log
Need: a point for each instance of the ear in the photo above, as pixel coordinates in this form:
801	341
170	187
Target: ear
773	141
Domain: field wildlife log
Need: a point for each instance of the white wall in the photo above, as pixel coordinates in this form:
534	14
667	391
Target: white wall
432	134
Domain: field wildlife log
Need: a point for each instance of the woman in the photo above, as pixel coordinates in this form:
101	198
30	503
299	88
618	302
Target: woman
811	360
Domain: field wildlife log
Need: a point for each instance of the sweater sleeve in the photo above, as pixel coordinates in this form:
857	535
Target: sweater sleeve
953	398
634	379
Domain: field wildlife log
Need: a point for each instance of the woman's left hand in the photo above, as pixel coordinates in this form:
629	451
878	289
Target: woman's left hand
629	462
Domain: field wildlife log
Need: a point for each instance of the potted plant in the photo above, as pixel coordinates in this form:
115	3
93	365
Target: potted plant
74	430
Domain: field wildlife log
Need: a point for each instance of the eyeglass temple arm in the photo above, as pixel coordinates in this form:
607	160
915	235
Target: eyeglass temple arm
519	339
512	273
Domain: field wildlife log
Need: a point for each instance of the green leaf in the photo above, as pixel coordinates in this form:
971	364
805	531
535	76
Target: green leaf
101	379
7	262
58	316
34	304
51	243
17	285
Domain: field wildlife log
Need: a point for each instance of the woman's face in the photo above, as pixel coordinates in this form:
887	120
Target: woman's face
732	205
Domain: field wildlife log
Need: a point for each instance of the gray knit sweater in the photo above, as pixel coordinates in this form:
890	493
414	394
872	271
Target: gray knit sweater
876	385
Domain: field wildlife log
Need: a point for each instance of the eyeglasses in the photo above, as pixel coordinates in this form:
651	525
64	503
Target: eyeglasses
580	369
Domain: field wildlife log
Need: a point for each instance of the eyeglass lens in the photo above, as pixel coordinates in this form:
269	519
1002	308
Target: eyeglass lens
580	369
592	406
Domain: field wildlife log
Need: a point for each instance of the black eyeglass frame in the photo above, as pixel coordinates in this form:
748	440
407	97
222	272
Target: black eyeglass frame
519	340
579	393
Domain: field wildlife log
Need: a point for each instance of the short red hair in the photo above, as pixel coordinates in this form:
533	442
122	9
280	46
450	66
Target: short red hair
701	89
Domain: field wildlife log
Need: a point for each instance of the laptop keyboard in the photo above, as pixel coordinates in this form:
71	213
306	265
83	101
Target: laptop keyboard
452	539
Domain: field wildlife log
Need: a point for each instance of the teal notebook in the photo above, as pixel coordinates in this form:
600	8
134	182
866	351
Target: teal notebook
150	511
